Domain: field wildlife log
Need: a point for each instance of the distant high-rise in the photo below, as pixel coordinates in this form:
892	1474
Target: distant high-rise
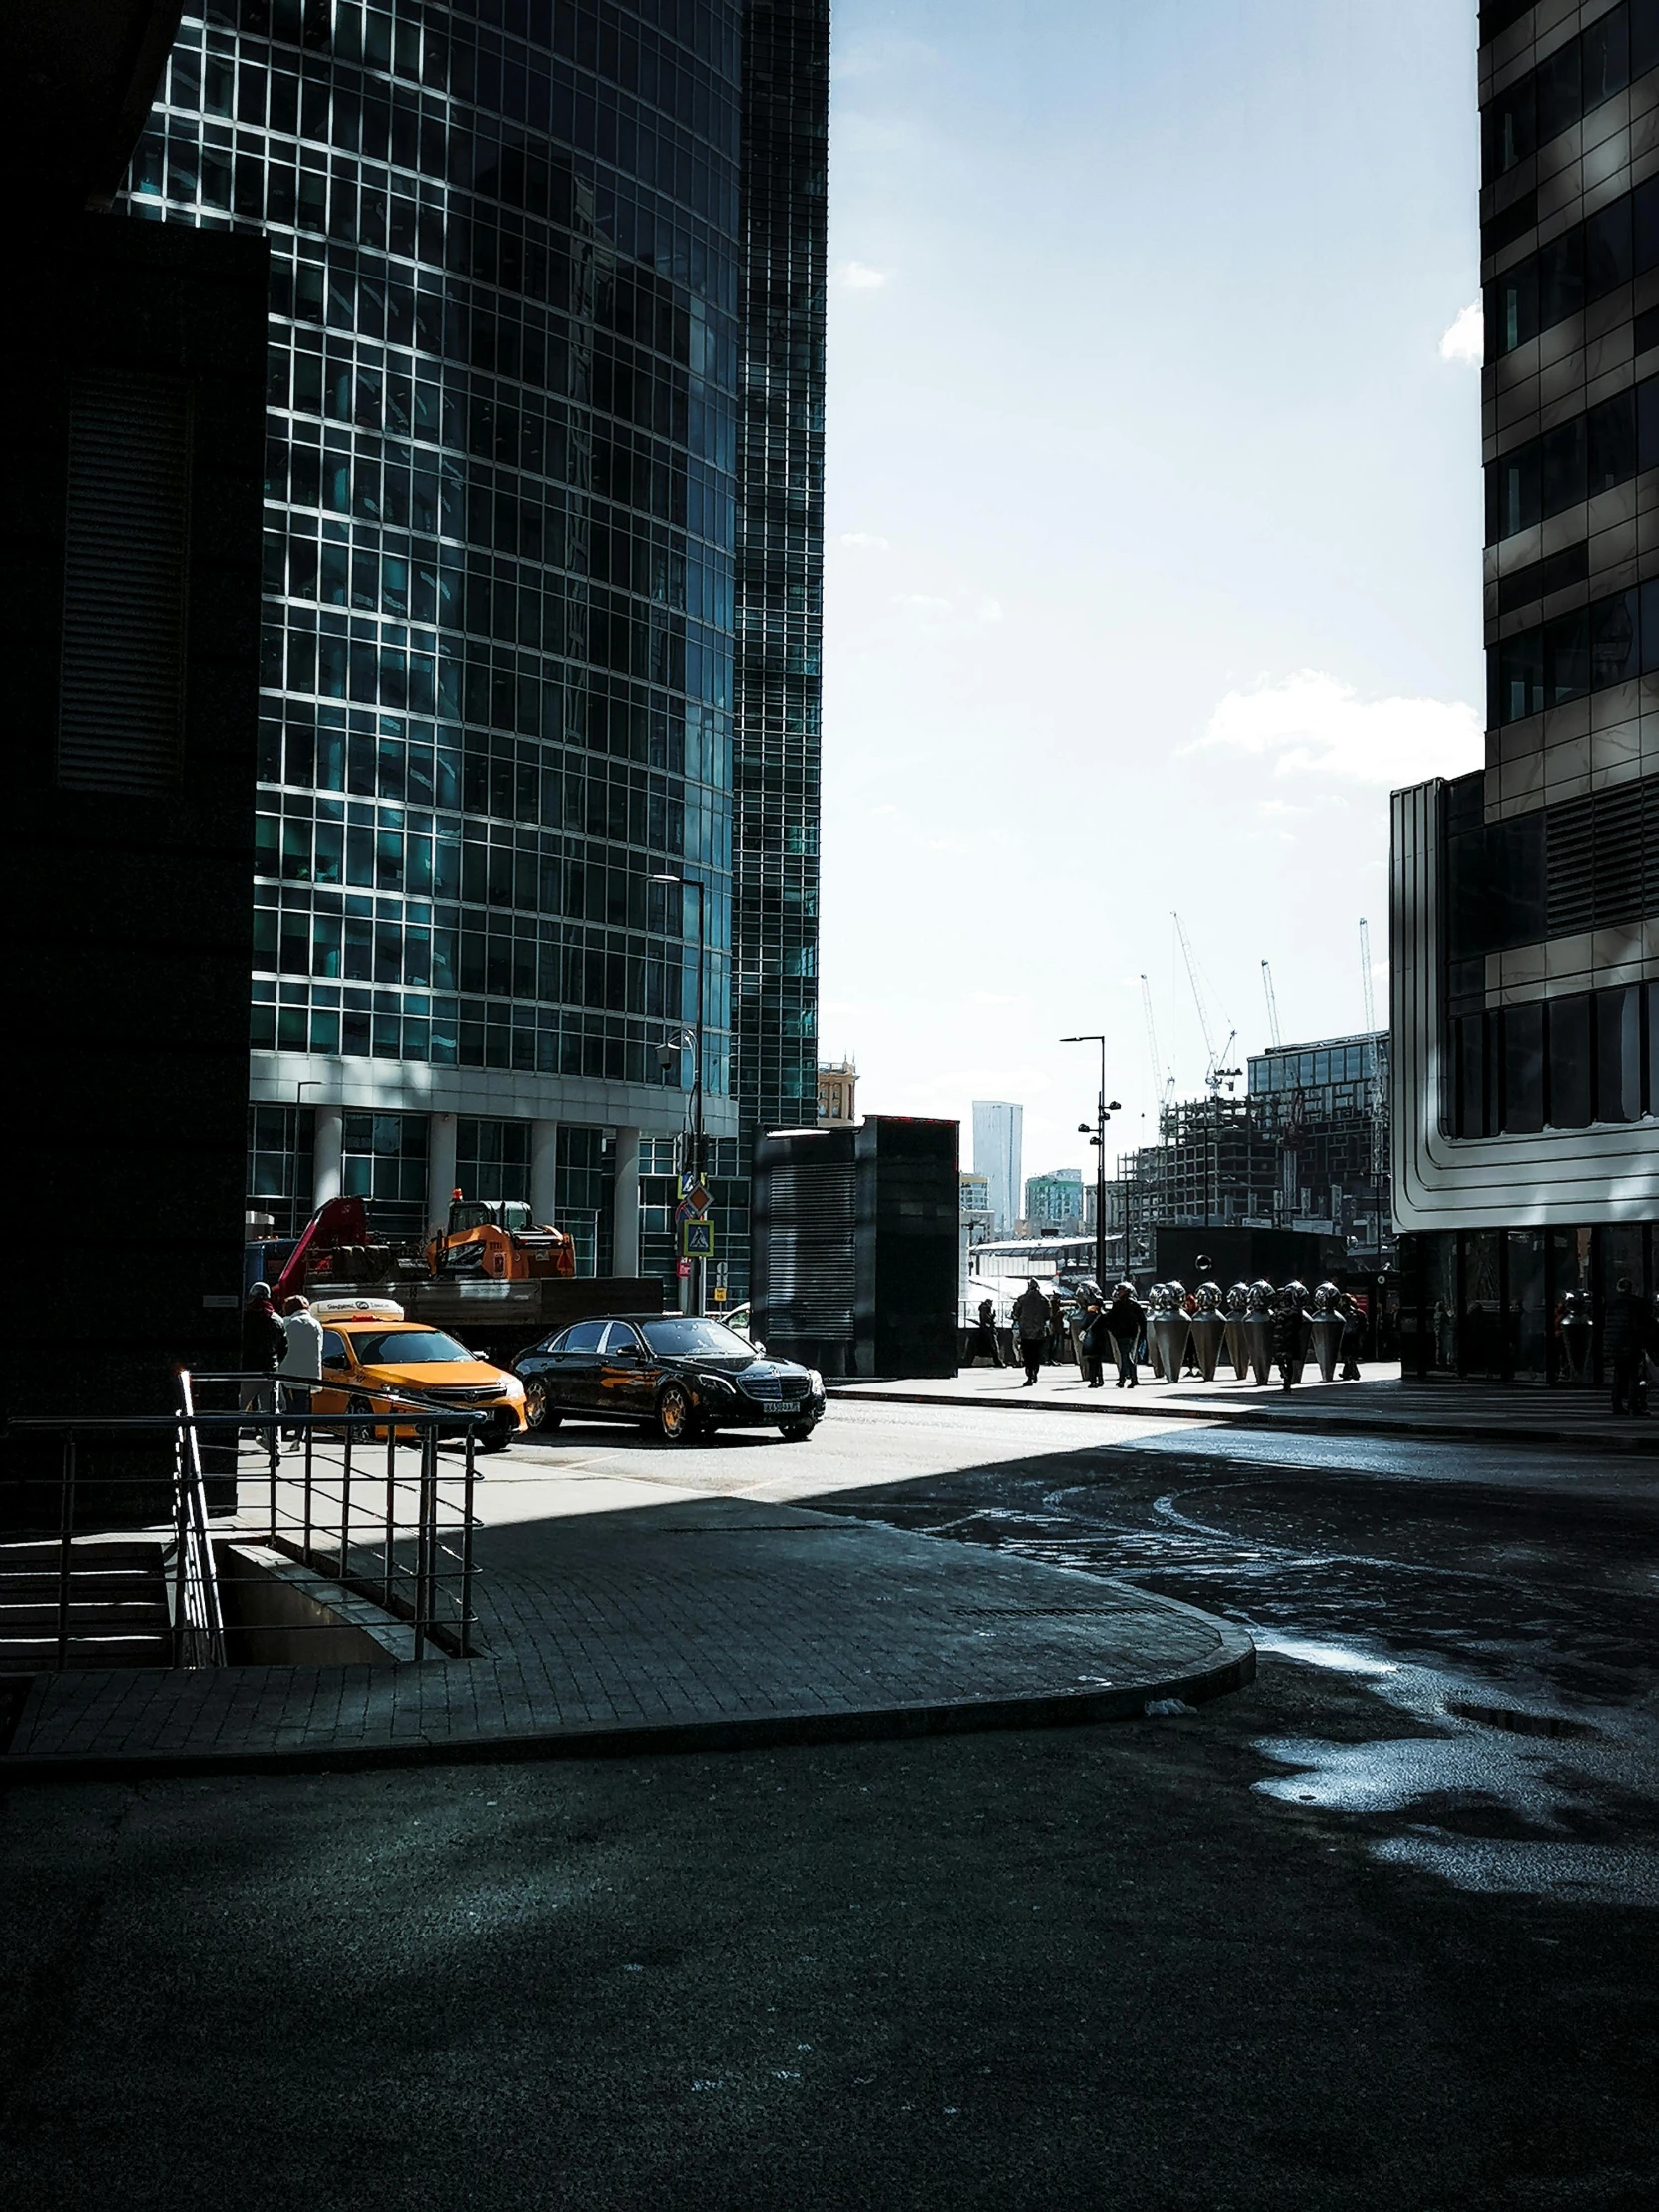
544	451
997	1132
1526	896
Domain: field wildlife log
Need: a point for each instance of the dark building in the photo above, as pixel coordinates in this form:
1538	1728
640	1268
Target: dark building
856	1246
1526	896
543	438
134	366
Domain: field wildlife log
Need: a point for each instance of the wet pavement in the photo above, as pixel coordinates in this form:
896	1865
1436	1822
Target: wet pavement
1377	1930
1486	1604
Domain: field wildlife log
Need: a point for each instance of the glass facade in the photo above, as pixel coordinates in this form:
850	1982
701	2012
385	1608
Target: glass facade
1517	1304
780	580
506	344
500	498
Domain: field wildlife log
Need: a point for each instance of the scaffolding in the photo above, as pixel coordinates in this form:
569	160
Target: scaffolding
1307	1149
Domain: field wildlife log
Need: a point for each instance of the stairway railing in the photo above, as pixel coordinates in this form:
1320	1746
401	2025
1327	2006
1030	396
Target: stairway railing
405	1541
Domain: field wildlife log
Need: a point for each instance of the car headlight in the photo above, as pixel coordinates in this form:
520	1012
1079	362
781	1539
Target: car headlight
512	1388
715	1383
814	1382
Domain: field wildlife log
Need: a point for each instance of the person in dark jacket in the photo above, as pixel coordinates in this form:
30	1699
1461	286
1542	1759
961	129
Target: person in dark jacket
988	1331
1125	1322
1059	1334
1094	1335
1031	1327
1625	1337
263	1342
1285	1332
1354	1335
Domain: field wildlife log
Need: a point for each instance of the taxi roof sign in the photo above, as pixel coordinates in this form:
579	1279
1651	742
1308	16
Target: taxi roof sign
357	1308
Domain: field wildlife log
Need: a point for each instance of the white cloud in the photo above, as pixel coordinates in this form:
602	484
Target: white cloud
1312	721
923	599
1466	339
858	277
865	540
992	611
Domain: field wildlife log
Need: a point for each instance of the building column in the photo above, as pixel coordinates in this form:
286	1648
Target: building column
440	1168
625	1202
544	1173
327	1145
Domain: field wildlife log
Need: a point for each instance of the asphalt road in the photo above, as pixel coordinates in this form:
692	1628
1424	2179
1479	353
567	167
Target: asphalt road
1380	1931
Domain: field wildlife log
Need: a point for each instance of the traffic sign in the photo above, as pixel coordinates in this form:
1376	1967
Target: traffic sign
719	1294
681	1268
695	1192
696	1238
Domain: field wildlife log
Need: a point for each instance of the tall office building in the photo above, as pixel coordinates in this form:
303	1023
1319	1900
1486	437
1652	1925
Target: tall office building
531	261
1526	896
997	1143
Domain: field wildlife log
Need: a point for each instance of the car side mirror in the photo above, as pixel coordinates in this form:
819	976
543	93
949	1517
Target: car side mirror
758	1346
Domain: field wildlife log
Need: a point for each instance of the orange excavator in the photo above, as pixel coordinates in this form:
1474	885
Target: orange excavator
496	1239
484	1240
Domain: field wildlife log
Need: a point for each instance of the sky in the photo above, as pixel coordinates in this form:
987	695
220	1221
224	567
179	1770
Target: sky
1151	533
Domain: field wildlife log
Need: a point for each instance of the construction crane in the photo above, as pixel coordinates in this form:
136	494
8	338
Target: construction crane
1215	1074
1364	974
1273	1006
1162	1081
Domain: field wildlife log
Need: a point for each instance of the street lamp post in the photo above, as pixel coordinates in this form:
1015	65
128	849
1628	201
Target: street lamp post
685	883
1103	1114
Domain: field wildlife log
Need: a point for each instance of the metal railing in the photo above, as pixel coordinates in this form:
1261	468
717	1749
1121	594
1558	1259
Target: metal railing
198	1615
326	1491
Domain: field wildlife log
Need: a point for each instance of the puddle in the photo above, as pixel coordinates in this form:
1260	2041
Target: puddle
1578	1874
1390	1773
1531	1770
1338	1657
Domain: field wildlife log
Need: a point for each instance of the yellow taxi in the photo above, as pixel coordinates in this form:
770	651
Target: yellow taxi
370	1348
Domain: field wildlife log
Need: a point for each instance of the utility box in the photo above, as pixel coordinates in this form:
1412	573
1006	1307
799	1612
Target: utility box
854	1246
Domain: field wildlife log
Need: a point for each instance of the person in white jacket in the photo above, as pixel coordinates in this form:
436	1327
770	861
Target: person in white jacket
301	1366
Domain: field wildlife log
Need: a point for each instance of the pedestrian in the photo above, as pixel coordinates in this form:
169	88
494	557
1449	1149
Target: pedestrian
987	1327
1057	1330
302	1363
1354	1331
1284	1333
263	1342
1094	1343
1125	1322
1031	1326
1625	1334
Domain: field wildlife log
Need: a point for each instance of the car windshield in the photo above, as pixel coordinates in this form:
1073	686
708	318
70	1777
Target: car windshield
406	1347
690	1335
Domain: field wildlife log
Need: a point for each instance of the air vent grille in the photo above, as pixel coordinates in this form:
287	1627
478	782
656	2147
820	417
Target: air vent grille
125	555
1603	858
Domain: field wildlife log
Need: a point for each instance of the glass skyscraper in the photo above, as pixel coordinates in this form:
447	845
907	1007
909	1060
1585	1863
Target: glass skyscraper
544	444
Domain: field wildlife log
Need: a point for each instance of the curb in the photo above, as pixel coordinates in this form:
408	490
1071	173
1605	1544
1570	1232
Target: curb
1314	1425
1233	1668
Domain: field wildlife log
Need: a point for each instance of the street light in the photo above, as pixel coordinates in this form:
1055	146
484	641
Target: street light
1103	1114
685	883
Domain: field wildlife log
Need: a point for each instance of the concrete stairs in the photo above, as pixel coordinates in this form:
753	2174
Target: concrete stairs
118	1604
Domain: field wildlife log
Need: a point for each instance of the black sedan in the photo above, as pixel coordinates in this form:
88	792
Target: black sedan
672	1373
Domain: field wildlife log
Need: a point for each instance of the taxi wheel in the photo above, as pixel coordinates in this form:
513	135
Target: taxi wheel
362	1427
675	1421
537	1419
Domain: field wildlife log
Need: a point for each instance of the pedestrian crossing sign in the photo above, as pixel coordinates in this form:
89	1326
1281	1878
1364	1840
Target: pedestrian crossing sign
696	1238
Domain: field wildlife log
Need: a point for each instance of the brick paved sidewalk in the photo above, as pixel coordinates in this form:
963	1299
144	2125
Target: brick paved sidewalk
700	1621
1379	1404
